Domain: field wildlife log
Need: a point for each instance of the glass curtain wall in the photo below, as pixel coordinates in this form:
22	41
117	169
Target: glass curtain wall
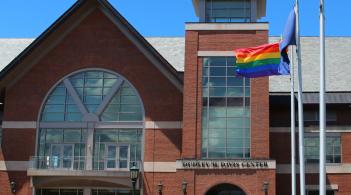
108	97
117	148
225	110
113	192
59	192
228	10
333	148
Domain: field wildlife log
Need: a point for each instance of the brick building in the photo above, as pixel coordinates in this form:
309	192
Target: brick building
91	98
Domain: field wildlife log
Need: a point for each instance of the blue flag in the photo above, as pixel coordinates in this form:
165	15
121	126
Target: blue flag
289	38
289	34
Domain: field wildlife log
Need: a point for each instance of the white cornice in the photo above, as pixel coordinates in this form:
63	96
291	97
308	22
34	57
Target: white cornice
226	26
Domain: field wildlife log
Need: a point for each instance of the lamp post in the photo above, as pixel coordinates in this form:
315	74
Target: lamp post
134	173
13	186
160	188
184	185
265	187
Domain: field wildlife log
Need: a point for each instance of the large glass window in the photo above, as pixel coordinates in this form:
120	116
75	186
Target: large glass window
228	10
316	192
62	148
225	110
59	192
333	148
113	192
94	101
92	87
116	148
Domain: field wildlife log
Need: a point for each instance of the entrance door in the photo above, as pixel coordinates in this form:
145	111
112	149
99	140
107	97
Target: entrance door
316	192
117	156
61	156
225	189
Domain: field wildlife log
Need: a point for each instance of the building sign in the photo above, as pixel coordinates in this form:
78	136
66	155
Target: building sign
226	164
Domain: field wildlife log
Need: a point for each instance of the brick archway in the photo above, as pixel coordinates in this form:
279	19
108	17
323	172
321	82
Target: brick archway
225	189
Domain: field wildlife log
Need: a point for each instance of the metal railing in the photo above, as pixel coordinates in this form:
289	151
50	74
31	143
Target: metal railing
55	162
79	163
114	164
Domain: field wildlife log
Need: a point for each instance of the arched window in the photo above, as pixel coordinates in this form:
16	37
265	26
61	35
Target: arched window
225	189
92	96
93	108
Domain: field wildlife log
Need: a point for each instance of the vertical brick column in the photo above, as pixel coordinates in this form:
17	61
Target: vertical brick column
259	118
190	117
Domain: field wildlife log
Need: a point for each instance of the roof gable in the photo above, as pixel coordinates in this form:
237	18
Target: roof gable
65	24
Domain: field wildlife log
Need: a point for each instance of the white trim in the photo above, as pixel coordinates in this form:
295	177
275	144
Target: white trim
215	53
226	26
14	165
119	125
331	129
329	187
331	168
106	100
131	124
225	164
163	125
19	125
160	167
75	96
127	32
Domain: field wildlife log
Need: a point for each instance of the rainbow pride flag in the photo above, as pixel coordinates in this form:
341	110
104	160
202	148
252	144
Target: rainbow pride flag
264	60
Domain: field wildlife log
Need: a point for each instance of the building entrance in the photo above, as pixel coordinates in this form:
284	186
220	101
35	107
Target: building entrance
225	189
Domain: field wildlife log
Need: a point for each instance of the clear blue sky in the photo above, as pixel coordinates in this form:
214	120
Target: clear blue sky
29	18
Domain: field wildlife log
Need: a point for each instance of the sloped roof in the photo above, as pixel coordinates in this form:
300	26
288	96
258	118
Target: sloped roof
71	18
338	60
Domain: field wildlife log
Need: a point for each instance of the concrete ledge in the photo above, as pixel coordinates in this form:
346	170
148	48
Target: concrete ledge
148	124
19	125
313	129
226	26
226	164
215	53
163	167
329	187
14	165
92	173
331	169
163	125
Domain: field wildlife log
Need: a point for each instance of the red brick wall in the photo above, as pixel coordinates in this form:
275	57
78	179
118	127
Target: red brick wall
250	181
230	40
162	145
259	118
190	110
342	180
222	41
95	43
172	182
280	147
21	179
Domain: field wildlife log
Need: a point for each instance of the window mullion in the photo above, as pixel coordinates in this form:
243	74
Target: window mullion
108	97
75	96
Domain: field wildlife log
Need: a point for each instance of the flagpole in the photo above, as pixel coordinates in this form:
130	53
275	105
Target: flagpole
322	135
300	104
293	131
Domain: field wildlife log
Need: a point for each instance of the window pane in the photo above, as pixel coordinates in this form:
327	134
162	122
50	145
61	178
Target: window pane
217	81
216	152
54	135
72	136
91	87
218	71
227	122
217	91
